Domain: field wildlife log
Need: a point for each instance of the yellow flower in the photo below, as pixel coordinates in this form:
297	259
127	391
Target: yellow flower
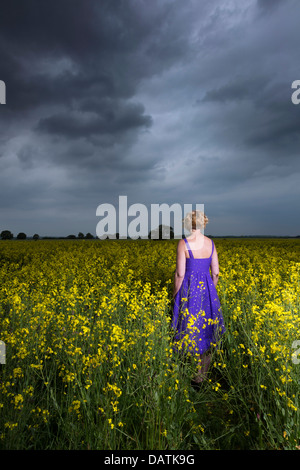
10	426
111	423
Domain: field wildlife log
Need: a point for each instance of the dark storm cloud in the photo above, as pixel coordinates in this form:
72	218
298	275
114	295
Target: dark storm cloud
115	119
163	100
111	45
25	156
71	53
73	67
242	88
269	4
273	120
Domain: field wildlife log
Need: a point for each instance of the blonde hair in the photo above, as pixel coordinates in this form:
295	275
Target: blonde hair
195	220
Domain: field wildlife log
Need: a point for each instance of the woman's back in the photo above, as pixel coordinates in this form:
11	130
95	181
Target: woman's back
201	246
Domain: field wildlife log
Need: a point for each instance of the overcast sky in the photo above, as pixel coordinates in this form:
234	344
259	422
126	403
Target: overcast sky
164	101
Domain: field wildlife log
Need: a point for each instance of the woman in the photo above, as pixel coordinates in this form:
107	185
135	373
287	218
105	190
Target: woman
197	317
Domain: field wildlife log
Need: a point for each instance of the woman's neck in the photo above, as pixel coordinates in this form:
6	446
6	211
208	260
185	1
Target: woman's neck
196	233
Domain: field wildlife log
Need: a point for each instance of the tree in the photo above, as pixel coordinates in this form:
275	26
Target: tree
80	235
21	236
6	235
36	236
163	232
71	236
89	235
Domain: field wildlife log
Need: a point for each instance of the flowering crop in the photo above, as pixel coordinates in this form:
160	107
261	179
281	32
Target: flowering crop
89	356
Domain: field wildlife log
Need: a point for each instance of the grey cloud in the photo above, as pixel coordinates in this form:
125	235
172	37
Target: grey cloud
112	121
269	4
241	88
112	44
25	155
162	100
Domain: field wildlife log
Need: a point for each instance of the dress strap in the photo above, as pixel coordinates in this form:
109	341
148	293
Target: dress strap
212	249
189	249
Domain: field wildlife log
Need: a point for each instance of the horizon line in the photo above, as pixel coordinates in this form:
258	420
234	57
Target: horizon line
95	237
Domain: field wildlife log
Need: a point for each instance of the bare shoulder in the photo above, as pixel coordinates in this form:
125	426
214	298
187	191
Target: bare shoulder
208	241
181	244
214	247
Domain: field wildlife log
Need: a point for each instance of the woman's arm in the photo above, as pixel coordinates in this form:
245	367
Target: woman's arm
214	267
180	266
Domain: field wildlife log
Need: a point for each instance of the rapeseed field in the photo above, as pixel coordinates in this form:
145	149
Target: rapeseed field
90	362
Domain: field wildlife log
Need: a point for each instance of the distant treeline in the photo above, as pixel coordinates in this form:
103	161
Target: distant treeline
8	235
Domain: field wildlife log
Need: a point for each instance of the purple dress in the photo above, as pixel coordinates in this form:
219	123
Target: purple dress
197	316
